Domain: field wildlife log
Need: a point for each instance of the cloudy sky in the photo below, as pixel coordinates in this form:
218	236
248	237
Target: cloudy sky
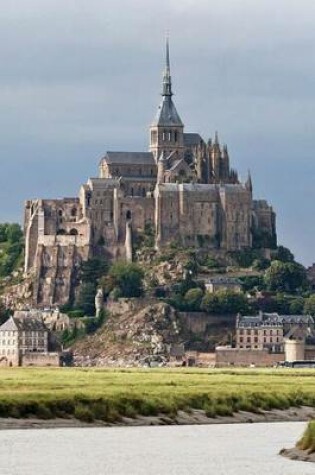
79	78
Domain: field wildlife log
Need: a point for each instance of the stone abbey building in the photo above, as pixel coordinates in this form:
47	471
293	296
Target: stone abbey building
183	190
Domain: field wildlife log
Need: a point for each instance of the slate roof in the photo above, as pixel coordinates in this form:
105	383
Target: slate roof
223	280
167	114
191	139
129	158
274	319
26	323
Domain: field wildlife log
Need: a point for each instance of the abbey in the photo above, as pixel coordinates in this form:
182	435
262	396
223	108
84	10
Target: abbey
182	190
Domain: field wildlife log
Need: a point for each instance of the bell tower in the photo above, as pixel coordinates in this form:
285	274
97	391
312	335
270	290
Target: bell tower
167	129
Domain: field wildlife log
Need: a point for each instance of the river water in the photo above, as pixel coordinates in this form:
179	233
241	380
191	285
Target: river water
235	449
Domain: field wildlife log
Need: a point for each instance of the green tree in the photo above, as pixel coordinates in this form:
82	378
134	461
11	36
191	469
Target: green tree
225	302
283	254
309	306
128	277
193	298
297	306
14	233
93	269
285	276
86	298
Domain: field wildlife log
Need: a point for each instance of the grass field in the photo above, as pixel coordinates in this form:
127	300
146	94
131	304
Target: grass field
89	394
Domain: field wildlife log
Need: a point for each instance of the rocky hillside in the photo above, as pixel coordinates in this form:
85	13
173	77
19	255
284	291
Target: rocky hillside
135	334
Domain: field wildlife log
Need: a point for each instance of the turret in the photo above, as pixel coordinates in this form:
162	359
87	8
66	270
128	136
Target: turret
161	168
216	159
248	184
225	168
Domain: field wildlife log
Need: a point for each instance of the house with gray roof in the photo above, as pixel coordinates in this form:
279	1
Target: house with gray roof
20	336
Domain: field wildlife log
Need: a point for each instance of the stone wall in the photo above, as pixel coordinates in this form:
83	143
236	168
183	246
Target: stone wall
246	357
40	359
198	322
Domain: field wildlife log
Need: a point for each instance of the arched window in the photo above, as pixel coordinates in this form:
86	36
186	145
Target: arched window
60	213
175	135
169	135
61	232
73	212
164	135
73	232
131	191
128	214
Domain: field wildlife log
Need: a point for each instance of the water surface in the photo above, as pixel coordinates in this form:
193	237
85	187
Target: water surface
236	449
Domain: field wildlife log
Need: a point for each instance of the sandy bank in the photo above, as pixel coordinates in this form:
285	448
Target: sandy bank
182	418
297	454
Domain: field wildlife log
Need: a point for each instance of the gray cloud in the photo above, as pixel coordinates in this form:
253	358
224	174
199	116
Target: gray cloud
80	77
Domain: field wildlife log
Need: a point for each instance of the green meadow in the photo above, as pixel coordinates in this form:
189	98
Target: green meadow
108	395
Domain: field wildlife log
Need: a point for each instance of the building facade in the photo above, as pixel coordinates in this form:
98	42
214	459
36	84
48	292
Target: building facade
269	330
20	336
183	189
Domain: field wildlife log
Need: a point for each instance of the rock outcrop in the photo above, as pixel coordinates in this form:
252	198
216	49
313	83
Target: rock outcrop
137	333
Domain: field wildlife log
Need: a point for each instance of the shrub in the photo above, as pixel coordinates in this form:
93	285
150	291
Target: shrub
128	277
308	440
193	298
83	413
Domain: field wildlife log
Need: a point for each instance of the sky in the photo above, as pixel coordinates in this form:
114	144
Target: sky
79	78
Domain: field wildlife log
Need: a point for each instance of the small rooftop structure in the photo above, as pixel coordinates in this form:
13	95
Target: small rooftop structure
215	284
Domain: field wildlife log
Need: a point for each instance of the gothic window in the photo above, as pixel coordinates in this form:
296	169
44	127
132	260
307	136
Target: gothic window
128	214
170	136
175	136
164	135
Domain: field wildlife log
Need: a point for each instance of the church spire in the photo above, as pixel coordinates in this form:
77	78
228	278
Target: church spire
167	80
249	184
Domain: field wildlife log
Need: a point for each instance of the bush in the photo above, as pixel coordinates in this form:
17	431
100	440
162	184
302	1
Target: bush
128	277
308	440
11	239
83	413
309	306
285	277
75	313
193	298
224	302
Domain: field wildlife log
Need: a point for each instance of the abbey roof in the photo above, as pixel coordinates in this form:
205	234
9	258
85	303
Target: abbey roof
129	158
